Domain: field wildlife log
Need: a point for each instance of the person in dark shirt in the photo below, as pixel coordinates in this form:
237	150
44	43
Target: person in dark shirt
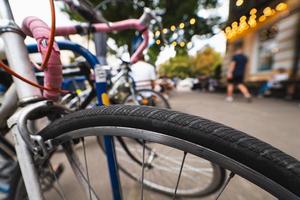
235	75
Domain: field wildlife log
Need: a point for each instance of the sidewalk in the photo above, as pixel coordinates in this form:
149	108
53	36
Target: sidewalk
272	120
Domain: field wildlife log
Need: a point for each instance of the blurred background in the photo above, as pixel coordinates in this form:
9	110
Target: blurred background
192	54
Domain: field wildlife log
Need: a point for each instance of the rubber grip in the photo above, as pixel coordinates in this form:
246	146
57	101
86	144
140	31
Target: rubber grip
38	29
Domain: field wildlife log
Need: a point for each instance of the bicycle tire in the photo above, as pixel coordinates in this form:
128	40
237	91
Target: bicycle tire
252	159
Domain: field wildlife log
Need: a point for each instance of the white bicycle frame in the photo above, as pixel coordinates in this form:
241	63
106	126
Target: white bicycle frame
17	56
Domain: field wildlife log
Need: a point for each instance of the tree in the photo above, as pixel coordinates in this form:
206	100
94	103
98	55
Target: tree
172	12
206	61
180	66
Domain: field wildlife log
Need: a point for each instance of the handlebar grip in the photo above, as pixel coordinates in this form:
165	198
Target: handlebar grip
35	27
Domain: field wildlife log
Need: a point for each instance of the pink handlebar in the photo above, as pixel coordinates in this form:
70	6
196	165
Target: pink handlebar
34	27
116	26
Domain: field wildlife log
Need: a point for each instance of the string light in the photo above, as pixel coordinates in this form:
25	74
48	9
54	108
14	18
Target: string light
192	21
262	18
157	33
182	44
165	30
281	7
252	22
174	44
253	11
267	11
173	28
237	28
158	42
239	2
181	25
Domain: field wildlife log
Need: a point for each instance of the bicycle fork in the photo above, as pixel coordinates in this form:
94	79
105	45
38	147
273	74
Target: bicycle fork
25	159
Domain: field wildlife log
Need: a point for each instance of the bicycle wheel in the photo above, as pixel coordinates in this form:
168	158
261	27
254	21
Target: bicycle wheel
243	155
147	97
127	150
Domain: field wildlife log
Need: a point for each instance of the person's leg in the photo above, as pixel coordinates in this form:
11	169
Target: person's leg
244	90
230	88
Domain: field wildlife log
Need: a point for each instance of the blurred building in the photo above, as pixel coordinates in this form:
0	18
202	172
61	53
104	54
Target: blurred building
269	32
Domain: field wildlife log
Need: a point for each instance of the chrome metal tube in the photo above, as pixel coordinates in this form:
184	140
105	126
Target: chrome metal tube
16	53
28	170
9	105
5	10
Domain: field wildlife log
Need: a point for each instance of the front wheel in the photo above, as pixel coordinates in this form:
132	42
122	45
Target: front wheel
185	137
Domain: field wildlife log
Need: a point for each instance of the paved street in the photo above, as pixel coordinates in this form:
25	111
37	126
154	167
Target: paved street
272	120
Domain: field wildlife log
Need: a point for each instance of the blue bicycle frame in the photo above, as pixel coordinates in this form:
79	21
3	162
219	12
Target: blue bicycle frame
101	78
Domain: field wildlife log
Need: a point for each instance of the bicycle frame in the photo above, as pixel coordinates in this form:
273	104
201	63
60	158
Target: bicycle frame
101	94
18	60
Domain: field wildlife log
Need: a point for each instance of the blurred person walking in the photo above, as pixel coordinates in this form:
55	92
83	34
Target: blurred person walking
235	75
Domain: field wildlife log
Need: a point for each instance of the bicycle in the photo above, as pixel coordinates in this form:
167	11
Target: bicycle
127	146
235	151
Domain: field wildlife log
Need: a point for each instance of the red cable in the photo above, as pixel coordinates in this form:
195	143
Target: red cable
52	35
13	73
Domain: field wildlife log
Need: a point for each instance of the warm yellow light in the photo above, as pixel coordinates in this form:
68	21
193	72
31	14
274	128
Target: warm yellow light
253	11
234	25
273	11
253	17
182	44
181	25
165	30
281	7
157	33
252	23
227	29
239	2
262	18
267	11
243	18
158	42
244	25
173	28
174	43
192	21
189	44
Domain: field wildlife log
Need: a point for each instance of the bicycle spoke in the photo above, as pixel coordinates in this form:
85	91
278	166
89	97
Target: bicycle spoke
231	175
143	170
86	167
179	175
79	169
59	190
